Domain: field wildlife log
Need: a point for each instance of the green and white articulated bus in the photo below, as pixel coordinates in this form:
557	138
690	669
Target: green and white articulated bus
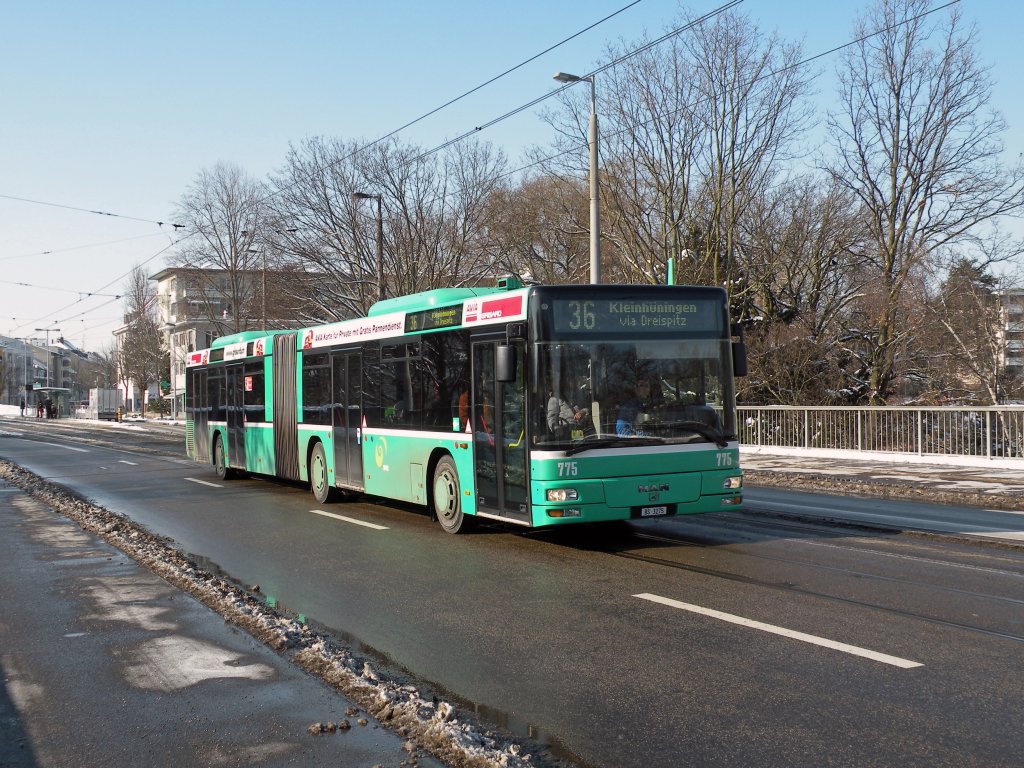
513	403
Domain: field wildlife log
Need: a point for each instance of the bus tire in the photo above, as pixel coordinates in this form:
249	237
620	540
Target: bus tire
224	472
446	497
319	481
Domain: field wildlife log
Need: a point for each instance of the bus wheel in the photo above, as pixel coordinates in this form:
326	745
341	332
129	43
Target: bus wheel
224	472
318	479
446	497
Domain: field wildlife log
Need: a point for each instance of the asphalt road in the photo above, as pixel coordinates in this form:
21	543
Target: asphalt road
731	639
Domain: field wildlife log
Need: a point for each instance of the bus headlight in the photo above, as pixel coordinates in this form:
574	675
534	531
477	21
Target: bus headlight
562	494
732	483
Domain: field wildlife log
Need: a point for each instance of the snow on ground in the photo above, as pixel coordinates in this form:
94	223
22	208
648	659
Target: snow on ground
429	724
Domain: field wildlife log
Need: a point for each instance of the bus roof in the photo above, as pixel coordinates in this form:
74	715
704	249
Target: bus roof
438	297
238	338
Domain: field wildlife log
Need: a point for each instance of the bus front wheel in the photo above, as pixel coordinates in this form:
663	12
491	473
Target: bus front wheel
224	472
447	499
318	478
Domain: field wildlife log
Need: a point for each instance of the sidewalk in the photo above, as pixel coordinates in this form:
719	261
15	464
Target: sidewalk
972	501
975	482
105	664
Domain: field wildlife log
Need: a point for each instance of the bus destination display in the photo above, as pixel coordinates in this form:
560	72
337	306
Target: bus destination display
613	316
432	319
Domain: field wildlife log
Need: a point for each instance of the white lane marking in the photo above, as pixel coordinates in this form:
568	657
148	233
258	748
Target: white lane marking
129	463
203	482
67	447
350	520
792	634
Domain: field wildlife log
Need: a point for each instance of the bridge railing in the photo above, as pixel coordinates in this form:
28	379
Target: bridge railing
983	432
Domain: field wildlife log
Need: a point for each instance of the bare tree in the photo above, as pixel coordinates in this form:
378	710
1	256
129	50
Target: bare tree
433	209
919	148
313	230
693	131
533	231
225	213
753	108
802	264
141	349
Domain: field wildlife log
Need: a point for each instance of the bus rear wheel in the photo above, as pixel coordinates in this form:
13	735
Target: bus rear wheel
447	499
318	479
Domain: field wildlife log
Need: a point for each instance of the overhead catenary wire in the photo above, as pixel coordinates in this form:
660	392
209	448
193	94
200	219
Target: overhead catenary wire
363	148
103	287
434	111
532	103
647	46
83	294
89	210
81	247
511	113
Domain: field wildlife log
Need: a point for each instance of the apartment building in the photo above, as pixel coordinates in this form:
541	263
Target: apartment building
193	308
1012	331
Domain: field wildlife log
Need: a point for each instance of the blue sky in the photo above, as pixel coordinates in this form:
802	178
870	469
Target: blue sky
115	106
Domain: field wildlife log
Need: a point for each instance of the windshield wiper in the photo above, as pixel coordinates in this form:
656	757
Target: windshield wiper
612	441
702	429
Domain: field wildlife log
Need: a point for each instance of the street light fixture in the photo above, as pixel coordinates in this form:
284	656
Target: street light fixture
380	238
48	331
595	218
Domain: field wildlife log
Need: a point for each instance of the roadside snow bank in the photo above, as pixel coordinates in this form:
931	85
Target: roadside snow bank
431	725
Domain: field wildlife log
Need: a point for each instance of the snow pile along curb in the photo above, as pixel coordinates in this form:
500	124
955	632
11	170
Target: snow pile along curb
430	725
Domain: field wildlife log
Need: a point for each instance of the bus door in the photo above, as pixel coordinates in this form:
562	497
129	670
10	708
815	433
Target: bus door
199	402
234	384
348	418
498	422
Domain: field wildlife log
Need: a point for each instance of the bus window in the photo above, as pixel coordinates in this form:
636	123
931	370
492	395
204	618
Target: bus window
254	396
316	389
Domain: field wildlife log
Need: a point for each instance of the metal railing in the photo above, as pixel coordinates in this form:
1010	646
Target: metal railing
984	432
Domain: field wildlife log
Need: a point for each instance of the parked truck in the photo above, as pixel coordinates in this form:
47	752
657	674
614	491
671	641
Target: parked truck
104	403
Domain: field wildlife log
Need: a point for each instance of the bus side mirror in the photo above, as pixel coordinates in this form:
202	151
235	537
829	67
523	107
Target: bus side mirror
739	358
505	363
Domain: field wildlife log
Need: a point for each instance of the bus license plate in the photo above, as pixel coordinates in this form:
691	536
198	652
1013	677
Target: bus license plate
653	511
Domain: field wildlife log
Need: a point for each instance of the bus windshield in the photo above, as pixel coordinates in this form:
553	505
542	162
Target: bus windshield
651	391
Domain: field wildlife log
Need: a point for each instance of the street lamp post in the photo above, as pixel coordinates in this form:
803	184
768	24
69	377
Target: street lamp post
380	237
595	217
24	372
48	331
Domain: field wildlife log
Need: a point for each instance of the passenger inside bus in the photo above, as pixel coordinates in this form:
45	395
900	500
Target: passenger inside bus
565	419
635	410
